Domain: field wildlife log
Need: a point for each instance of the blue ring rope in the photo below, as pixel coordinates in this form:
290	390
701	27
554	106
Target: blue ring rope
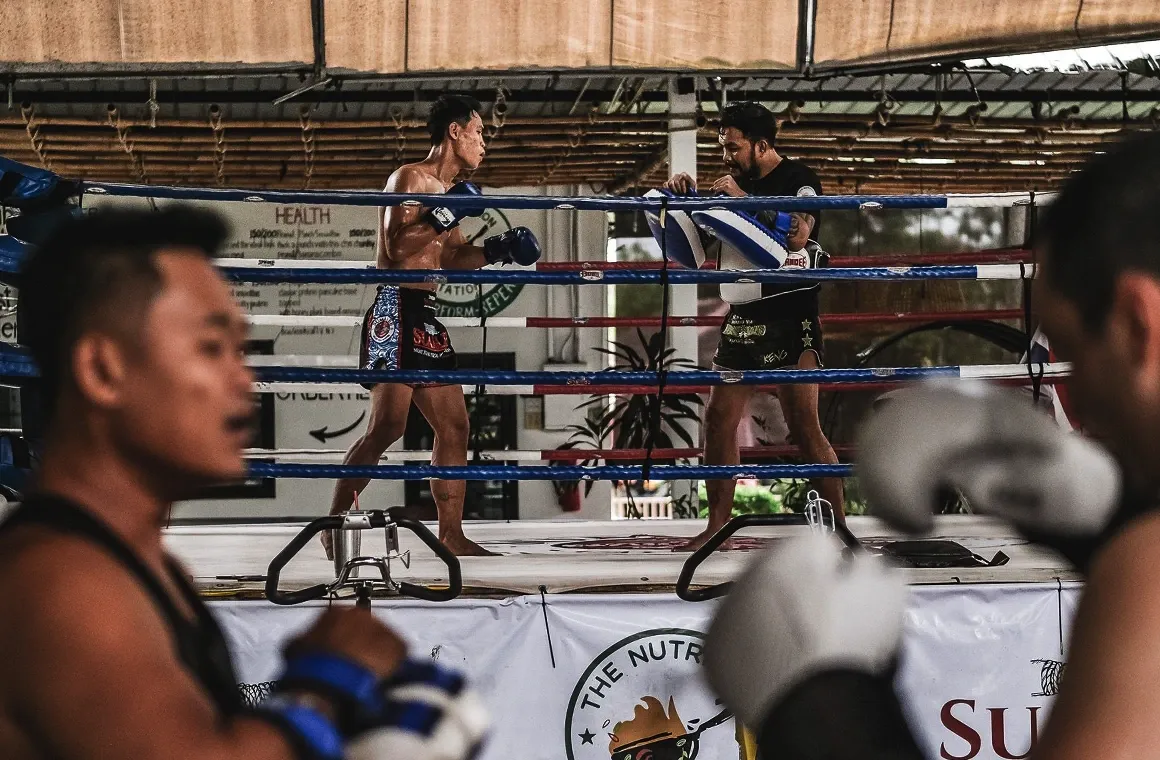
591	277
15	363
13	253
608	203
510	377
260	469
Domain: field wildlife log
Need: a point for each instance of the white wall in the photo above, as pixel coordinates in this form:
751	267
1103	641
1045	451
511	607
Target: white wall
338	232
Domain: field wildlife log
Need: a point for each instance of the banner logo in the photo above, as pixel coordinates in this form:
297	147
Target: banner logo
470	299
644	698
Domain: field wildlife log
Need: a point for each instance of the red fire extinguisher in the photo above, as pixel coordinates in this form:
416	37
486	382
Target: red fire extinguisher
567	494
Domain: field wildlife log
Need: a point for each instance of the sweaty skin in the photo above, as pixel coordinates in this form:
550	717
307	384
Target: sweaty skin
92	673
407	241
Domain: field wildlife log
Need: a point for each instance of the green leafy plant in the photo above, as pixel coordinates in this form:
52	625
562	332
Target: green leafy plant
793	493
627	422
749	500
684	508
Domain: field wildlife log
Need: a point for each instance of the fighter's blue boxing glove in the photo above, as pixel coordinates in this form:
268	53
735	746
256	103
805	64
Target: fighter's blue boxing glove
311	733
516	246
429	713
778	223
29	188
351	691
443	218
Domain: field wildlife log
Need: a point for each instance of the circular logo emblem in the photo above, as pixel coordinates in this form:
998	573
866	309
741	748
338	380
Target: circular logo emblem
382	328
644	698
471	299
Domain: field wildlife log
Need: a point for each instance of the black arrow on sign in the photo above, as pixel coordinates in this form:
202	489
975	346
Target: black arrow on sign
324	435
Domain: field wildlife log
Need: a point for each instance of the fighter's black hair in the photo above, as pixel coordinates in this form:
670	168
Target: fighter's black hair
97	265
753	120
449	109
1104	222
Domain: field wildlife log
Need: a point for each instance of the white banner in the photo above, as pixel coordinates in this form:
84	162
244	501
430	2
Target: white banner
980	665
583	676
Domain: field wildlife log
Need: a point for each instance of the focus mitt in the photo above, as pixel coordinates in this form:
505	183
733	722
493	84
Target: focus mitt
679	239
765	247
1006	457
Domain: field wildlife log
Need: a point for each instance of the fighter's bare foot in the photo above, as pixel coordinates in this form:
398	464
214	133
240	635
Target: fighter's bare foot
462	546
701	539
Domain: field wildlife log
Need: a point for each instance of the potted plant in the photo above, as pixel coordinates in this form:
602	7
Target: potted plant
627	422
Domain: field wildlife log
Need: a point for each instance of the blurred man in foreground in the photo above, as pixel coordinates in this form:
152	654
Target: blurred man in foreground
804	647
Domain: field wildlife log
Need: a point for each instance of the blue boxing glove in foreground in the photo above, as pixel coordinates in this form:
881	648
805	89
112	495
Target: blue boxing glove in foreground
333	709
315	686
42	197
515	246
26	187
428	713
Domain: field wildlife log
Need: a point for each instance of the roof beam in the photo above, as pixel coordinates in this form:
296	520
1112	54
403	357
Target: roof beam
574	96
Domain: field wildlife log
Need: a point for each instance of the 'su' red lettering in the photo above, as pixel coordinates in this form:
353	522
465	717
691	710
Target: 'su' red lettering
999	734
961	730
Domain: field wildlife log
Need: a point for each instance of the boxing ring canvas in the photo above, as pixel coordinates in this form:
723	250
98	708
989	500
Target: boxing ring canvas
575	629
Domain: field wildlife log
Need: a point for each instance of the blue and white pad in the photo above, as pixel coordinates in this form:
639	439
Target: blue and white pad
681	241
763	247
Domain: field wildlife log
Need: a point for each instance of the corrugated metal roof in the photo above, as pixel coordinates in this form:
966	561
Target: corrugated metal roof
1012	129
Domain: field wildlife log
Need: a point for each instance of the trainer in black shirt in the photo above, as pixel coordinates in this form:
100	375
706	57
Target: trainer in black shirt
770	326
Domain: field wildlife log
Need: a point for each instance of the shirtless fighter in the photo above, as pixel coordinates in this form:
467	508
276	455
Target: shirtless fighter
804	647
769	326
401	331
109	651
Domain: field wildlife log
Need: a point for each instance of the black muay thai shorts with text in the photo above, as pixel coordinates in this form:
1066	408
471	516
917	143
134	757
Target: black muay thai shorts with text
400	331
770	333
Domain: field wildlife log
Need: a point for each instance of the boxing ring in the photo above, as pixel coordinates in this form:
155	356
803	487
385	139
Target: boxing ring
575	625
584	556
